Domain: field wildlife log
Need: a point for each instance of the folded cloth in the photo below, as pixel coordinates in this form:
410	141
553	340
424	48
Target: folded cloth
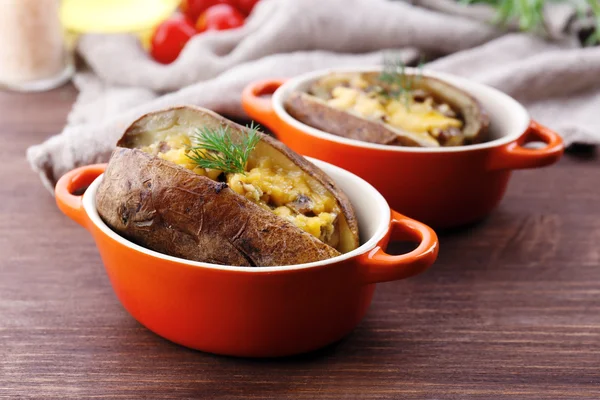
556	80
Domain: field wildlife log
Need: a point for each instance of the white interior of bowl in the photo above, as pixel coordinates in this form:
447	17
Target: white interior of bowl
372	211
508	118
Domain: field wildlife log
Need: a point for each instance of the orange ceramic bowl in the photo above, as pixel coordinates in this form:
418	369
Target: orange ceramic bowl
443	187
246	311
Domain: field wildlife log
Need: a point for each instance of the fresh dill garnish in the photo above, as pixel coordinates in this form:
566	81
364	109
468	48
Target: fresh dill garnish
394	77
420	67
398	83
215	149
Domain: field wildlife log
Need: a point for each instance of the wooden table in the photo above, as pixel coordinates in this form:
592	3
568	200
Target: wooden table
510	310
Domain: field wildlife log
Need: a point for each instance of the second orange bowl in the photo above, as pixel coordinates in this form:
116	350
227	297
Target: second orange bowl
443	187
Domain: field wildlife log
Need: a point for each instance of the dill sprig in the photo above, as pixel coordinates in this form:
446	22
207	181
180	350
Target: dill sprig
399	83
394	75
215	149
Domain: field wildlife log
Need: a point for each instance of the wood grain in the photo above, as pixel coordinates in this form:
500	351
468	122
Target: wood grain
510	311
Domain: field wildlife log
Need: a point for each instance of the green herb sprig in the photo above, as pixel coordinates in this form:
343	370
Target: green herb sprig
529	14
394	75
594	38
400	84
215	149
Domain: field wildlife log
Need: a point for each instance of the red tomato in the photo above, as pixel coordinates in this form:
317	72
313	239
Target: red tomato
193	8
219	17
245	6
169	38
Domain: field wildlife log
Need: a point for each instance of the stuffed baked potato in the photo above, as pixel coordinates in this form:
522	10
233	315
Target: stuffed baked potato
388	108
279	209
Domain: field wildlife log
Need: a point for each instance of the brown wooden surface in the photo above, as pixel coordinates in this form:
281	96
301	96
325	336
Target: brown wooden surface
510	310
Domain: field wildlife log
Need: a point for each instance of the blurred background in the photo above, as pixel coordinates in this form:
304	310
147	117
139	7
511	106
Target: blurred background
39	37
129	57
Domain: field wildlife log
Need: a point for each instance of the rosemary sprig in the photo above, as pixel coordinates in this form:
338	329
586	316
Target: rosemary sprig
215	149
529	14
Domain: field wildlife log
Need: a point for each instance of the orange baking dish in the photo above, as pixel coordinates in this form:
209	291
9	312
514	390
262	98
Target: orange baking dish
443	187
254	311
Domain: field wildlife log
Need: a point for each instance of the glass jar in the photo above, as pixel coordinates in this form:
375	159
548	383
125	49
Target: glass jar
33	54
138	17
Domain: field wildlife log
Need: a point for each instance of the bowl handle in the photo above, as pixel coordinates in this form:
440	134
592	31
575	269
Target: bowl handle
378	266
515	156
72	182
257	106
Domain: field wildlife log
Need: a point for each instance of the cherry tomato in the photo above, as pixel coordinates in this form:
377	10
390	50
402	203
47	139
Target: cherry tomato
169	38
193	8
245	6
219	17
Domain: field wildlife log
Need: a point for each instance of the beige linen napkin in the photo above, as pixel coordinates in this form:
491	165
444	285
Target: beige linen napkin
558	81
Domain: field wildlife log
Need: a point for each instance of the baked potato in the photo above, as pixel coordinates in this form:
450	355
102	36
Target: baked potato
403	109
279	209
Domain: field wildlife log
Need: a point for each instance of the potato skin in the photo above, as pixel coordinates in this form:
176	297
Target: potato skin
169	209
314	111
192	117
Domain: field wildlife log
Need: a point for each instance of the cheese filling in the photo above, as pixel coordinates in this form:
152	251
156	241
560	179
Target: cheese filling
424	117
291	195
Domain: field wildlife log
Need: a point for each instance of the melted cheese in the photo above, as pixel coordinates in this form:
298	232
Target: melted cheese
277	188
268	185
345	98
321	226
334	80
418	117
176	151
413	117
